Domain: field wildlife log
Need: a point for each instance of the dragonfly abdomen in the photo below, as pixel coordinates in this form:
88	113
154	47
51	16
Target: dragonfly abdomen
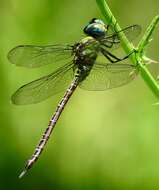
51	125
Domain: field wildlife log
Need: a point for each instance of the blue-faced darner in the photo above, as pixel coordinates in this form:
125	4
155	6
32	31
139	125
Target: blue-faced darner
83	70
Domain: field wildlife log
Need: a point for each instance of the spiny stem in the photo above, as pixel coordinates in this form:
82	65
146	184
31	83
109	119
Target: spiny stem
137	58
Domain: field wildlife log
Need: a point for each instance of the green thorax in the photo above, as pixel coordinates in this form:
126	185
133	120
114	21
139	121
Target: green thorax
86	52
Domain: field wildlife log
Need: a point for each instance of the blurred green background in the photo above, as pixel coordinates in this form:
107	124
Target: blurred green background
104	140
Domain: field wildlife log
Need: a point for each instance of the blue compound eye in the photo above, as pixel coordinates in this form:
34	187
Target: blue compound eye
95	30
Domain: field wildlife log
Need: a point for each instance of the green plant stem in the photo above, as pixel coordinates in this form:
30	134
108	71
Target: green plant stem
136	58
147	36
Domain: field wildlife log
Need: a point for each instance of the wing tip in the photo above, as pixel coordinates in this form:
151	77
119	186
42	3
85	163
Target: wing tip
11	53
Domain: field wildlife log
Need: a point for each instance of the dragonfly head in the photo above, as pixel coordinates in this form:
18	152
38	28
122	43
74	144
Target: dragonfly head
96	28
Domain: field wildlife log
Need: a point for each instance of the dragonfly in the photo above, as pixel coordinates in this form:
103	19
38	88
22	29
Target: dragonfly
77	65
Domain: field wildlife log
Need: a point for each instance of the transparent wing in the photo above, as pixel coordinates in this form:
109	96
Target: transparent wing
36	56
113	41
107	76
42	88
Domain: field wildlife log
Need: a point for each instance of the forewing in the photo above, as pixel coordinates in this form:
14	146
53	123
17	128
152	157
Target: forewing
36	56
107	76
113	40
42	88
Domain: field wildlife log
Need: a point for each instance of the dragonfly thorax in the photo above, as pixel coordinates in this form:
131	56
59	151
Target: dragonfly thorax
86	51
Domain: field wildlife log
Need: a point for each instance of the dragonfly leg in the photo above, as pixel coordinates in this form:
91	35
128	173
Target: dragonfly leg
110	43
108	26
111	56
110	22
108	57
